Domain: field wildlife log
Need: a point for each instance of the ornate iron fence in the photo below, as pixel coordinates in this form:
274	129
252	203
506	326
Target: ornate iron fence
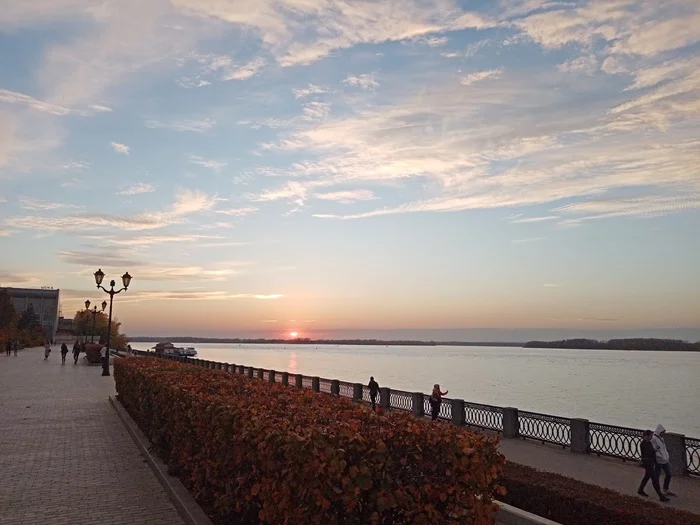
445	411
692	456
325	386
614	441
306	382
545	428
365	394
483	416
346	389
400	400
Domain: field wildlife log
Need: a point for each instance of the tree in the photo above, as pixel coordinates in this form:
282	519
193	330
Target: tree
8	317
82	326
29	320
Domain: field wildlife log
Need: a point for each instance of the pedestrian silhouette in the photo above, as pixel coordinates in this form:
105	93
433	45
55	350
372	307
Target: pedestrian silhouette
373	391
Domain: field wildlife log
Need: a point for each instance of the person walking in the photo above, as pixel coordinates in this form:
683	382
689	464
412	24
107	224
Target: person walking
64	351
76	352
648	454
47	349
662	458
16	346
436	401
373	391
8	347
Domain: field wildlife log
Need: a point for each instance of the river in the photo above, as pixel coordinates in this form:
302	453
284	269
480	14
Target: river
627	388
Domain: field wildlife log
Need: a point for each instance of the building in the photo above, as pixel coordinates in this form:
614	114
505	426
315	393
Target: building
64	331
44	301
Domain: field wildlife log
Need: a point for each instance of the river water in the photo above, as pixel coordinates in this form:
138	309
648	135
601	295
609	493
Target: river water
627	388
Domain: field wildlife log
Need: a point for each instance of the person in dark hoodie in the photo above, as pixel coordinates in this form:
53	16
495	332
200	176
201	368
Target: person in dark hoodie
373	391
662	457
649	462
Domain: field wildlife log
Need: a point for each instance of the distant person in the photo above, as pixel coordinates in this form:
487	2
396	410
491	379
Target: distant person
8	347
129	351
662	457
47	350
76	352
436	401
16	346
649	462
103	354
373	391
64	352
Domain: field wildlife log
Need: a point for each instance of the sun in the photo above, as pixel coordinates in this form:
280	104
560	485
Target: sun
293	334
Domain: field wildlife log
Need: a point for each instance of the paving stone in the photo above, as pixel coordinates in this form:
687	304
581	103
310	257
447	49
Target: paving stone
65	456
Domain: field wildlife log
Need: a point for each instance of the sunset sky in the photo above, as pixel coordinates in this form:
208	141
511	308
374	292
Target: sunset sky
269	166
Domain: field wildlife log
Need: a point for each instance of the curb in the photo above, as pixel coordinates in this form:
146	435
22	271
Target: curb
509	515
180	497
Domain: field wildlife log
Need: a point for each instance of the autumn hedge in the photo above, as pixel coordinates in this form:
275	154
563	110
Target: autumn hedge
572	502
255	452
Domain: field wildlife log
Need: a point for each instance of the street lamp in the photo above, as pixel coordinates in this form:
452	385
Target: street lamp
94	314
126	280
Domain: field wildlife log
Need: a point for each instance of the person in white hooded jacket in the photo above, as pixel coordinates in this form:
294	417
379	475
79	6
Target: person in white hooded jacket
662	457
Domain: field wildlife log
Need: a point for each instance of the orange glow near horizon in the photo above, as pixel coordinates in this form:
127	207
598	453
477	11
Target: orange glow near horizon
293	334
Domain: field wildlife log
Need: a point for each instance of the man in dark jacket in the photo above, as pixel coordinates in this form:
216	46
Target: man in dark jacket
649	462
373	391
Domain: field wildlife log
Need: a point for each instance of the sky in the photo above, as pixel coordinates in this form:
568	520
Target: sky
324	167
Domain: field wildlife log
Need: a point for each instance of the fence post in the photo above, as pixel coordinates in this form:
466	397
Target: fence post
335	387
241	369
232	368
285	378
271	377
385	397
457	411
357	392
316	384
299	381
511	425
580	437
226	365
675	443
261	373
221	366
250	371
418	404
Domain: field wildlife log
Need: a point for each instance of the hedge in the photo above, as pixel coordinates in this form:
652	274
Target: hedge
572	502
255	452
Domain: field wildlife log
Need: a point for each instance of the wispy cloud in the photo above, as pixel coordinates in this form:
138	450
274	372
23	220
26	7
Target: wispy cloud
528	240
364	81
238	212
192	125
120	148
37	204
100	108
13	97
526	220
137	188
215	165
244	71
480	76
433	41
346	197
311	89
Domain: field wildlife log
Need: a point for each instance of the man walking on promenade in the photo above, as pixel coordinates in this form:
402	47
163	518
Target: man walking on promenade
373	391
64	351
8	347
16	347
76	352
662	457
47	349
649	462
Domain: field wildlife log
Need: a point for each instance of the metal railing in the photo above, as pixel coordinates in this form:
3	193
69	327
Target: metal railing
593	438
692	455
545	428
614	441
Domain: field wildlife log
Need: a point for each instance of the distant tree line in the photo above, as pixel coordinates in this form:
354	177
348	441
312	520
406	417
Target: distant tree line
669	345
308	341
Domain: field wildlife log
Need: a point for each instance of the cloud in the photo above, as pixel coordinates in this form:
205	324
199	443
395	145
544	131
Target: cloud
120	148
528	240
526	220
191	201
315	111
13	97
193	125
98	259
36	204
12	278
587	64
245	71
311	89
133	296
214	165
5	233
138	188
150	240
100	108
433	41
646	206
364	81
480	76
346	197
238	212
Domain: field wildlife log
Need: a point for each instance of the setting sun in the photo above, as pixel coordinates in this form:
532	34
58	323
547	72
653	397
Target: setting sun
293	334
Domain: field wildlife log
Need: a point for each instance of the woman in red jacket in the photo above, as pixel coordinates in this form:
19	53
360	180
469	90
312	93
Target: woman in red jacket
436	401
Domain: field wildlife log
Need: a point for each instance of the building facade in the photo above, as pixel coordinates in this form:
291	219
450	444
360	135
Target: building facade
44	301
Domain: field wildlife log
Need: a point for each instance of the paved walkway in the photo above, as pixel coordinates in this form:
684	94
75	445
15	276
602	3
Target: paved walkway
65	456
605	472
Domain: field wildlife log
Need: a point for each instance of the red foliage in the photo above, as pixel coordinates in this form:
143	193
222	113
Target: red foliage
574	502
255	452
93	352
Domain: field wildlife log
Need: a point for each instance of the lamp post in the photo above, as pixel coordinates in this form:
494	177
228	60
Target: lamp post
126	280
94	314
